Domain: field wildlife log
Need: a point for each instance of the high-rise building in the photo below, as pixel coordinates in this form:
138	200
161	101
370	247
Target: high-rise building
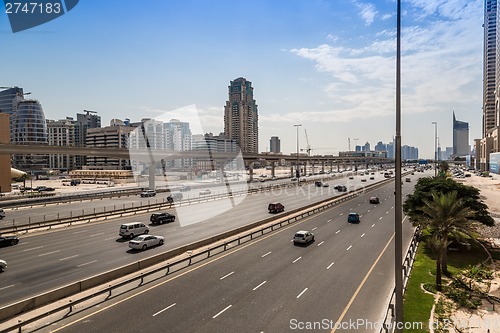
241	116
275	145
108	137
178	137
9	99
490	70
29	128
210	143
5	181
380	146
460	137
84	122
61	133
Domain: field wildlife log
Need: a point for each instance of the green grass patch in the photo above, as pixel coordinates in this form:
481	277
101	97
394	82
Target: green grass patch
418	304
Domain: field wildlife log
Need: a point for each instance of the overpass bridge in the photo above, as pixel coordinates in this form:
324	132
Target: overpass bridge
218	160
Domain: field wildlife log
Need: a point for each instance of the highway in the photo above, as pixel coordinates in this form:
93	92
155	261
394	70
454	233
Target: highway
43	261
270	285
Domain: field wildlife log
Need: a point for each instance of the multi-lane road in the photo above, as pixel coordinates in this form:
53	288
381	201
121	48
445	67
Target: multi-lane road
330	270
270	285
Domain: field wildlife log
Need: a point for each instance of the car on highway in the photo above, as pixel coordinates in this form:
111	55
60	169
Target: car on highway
275	207
144	241
148	193
318	183
184	188
130	230
363	179
408	180
353	217
8	240
176	196
3	265
374	200
351	177
44	189
303	237
162	217
372	178
2	213
341	188
205	192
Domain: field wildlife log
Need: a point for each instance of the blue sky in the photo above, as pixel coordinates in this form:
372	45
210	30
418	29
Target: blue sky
328	65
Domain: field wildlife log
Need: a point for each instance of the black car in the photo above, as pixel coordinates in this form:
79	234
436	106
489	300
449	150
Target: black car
8	240
175	197
159	218
148	193
318	184
341	188
275	207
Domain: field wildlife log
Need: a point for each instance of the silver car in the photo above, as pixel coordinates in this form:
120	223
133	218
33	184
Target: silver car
144	241
303	237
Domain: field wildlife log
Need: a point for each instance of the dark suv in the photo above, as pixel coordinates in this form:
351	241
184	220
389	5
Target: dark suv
160	218
275	207
175	197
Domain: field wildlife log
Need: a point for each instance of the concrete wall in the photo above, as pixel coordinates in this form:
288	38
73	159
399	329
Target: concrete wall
4	158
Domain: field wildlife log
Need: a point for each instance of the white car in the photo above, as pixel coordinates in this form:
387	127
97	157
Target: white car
303	237
144	241
3	265
205	192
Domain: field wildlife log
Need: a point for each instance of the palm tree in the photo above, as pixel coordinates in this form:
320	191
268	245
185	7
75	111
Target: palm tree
444	216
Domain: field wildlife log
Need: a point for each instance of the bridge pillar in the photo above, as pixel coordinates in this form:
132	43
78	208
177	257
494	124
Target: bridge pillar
152	175
273	169
250	171
322	166
221	170
291	171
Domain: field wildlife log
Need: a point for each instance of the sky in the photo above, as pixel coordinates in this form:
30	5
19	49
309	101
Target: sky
328	65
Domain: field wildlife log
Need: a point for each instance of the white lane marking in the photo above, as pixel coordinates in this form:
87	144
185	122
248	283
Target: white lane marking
303	291
187	233
259	285
373	225
76	255
363	235
110	238
87	263
46	254
6	287
330	265
314	228
225	276
341	214
337	232
227	307
392	207
268	253
293	262
79	232
387	212
33	248
380	218
168	307
349	248
102	233
330	220
321	243
360	215
368	210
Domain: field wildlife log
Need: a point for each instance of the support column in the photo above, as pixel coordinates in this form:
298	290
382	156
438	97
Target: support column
273	169
221	170
322	167
250	171
291	171
152	174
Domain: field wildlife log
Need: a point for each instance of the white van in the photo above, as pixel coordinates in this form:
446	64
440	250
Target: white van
130	230
2	213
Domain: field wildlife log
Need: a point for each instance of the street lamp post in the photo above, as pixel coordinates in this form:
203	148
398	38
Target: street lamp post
297	173
435	147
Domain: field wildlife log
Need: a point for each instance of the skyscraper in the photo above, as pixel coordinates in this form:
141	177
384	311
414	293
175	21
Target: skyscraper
274	144
84	122
241	116
490	68
178	137
460	137
9	99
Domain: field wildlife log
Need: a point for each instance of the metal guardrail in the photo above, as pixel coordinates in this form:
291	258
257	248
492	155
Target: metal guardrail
389	324
168	268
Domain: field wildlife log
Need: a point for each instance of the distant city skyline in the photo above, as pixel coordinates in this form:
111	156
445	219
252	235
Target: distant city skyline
305	65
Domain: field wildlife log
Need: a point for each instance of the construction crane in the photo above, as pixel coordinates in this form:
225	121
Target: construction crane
28	93
308	147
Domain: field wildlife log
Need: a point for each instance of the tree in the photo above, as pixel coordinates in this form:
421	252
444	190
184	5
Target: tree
426	186
444	216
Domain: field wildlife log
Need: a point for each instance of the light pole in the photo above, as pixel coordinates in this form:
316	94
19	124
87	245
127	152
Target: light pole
435	147
297	173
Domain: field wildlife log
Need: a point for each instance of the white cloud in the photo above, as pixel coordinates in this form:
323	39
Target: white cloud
367	11
441	67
